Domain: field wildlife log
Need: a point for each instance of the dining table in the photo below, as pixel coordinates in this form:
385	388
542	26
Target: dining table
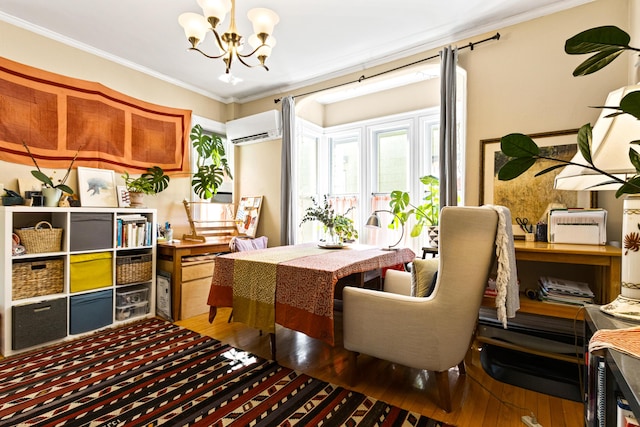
293	285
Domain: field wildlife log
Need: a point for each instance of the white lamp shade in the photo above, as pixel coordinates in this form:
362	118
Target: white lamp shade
194	25
263	20
609	151
215	8
265	50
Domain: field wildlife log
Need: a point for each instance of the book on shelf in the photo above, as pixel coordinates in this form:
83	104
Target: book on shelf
133	231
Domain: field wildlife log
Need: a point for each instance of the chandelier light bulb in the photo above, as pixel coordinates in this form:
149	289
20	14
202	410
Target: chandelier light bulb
263	20
216	9
195	27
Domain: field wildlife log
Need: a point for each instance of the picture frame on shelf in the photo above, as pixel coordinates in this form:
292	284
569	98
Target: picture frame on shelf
530	195
97	187
124	200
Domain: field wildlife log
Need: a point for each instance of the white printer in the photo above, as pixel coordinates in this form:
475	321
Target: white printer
581	226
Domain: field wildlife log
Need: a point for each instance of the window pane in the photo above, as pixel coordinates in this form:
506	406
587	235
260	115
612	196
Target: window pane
392	152
307	165
345	165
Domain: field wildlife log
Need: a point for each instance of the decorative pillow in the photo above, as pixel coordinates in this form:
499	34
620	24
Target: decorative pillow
238	244
423	276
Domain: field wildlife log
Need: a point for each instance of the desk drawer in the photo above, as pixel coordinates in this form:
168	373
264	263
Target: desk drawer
197	270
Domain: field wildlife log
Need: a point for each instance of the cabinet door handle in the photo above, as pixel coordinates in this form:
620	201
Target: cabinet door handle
39	309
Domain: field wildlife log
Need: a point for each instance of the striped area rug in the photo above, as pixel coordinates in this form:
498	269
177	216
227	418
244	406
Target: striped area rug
155	373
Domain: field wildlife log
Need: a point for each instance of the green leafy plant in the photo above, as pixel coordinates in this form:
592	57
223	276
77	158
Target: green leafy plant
606	43
47	181
212	163
341	225
426	214
153	181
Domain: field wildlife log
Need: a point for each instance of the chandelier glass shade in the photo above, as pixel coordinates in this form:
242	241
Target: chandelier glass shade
230	43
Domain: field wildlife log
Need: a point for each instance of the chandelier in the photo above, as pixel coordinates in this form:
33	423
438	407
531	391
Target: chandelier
231	43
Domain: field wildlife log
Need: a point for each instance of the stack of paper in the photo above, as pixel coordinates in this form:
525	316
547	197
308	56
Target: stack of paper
565	291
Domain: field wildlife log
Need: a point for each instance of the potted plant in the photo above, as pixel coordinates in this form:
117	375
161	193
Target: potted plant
426	214
153	181
212	163
338	229
51	192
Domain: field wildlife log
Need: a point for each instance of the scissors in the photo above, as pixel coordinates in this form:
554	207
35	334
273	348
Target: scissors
524	224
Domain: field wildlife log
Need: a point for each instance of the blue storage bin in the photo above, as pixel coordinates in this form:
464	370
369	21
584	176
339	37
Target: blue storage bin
91	311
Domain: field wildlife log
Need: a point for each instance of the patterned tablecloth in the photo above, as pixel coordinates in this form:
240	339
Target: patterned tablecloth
292	285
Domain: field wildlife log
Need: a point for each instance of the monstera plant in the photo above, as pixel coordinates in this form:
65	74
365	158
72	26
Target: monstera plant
212	163
606	44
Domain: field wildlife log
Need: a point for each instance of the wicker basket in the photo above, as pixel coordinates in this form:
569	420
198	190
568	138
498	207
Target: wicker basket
40	239
133	269
37	278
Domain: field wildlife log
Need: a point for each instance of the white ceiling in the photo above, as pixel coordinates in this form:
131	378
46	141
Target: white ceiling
316	39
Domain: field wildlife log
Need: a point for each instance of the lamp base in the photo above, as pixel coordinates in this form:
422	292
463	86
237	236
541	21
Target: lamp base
623	308
390	249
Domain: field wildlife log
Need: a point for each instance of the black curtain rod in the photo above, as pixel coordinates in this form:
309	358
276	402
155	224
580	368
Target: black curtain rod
362	78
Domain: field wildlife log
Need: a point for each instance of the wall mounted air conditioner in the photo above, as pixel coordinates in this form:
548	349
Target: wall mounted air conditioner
257	128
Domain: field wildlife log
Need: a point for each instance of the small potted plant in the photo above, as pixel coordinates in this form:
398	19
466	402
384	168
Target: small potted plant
426	215
153	181
51	192
338	229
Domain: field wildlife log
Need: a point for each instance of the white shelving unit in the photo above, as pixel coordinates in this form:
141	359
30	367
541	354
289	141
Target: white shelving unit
88	302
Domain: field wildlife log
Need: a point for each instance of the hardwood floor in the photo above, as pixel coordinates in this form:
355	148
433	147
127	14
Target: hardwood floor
478	400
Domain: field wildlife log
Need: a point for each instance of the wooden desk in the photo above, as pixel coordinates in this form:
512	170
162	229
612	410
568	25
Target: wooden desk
605	261
175	251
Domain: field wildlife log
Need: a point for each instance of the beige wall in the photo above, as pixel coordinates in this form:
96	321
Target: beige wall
521	83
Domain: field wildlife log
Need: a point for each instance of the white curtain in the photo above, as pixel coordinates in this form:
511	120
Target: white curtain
287	232
448	152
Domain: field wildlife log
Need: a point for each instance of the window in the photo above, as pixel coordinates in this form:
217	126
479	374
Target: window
361	172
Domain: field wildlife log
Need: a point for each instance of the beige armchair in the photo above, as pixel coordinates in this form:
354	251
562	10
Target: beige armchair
432	333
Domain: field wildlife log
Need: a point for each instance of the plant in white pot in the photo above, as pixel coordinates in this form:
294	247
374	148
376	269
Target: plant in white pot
52	192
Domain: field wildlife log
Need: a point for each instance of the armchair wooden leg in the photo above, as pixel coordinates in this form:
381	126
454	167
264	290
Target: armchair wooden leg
442	378
353	366
462	369
272	337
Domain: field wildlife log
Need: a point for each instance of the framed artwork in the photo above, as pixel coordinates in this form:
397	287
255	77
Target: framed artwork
528	196
248	214
97	187
123	196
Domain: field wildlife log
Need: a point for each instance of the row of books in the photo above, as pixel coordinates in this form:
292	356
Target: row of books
565	291
133	230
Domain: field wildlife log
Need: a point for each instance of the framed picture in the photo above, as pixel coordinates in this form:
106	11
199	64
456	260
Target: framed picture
528	196
97	187
123	196
248	214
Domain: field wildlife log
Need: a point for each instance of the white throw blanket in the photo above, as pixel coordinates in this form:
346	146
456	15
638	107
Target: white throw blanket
508	290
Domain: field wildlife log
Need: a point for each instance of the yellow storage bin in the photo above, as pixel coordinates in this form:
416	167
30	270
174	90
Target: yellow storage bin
90	271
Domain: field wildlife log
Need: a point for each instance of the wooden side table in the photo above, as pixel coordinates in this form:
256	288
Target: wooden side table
175	252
